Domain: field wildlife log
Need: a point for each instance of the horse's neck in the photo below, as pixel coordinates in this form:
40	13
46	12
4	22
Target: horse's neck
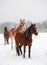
6	31
29	36
19	29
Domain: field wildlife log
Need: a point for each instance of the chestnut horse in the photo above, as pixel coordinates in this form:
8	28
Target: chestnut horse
21	27
6	35
22	40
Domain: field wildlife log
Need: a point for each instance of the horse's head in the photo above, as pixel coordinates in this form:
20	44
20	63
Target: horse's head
22	24
33	29
5	28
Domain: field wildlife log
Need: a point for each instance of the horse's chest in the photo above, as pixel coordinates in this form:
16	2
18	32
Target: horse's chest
28	42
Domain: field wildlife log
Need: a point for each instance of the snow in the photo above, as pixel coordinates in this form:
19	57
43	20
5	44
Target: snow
38	52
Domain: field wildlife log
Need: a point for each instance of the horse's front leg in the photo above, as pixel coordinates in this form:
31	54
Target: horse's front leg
11	43
24	51
29	51
20	49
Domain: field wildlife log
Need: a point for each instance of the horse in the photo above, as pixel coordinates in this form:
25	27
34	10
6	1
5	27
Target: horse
6	35
22	40
21	27
11	34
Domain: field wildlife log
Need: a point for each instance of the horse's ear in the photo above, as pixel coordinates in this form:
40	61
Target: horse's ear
23	19
20	20
35	24
31	24
5	28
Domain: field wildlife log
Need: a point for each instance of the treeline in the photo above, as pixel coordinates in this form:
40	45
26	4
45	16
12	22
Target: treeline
9	25
41	27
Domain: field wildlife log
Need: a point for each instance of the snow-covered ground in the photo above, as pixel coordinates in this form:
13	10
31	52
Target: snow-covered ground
38	52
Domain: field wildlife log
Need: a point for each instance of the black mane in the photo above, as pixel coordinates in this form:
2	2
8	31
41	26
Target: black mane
27	30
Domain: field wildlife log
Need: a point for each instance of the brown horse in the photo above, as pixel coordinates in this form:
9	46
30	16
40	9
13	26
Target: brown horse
6	35
21	27
21	40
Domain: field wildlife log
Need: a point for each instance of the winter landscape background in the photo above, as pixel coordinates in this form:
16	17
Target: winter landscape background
38	49
33	11
38	52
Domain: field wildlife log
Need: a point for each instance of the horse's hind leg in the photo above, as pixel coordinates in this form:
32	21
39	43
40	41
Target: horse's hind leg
24	51
20	48
29	51
11	43
17	47
7	41
17	50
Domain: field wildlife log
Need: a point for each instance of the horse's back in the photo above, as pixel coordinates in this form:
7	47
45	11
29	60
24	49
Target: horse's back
6	34
12	31
19	34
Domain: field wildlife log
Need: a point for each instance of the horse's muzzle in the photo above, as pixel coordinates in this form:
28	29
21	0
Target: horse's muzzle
36	34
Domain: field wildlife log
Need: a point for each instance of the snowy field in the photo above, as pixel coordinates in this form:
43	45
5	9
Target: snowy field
38	52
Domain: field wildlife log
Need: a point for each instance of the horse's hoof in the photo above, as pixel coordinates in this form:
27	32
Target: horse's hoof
18	54
29	57
23	56
21	53
4	43
7	43
11	48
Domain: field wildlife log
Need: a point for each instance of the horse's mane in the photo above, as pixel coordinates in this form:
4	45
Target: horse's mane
27	30
12	29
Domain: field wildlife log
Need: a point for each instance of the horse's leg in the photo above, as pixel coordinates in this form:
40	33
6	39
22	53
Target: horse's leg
7	41
24	51
20	49
11	43
17	50
29	50
17	47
